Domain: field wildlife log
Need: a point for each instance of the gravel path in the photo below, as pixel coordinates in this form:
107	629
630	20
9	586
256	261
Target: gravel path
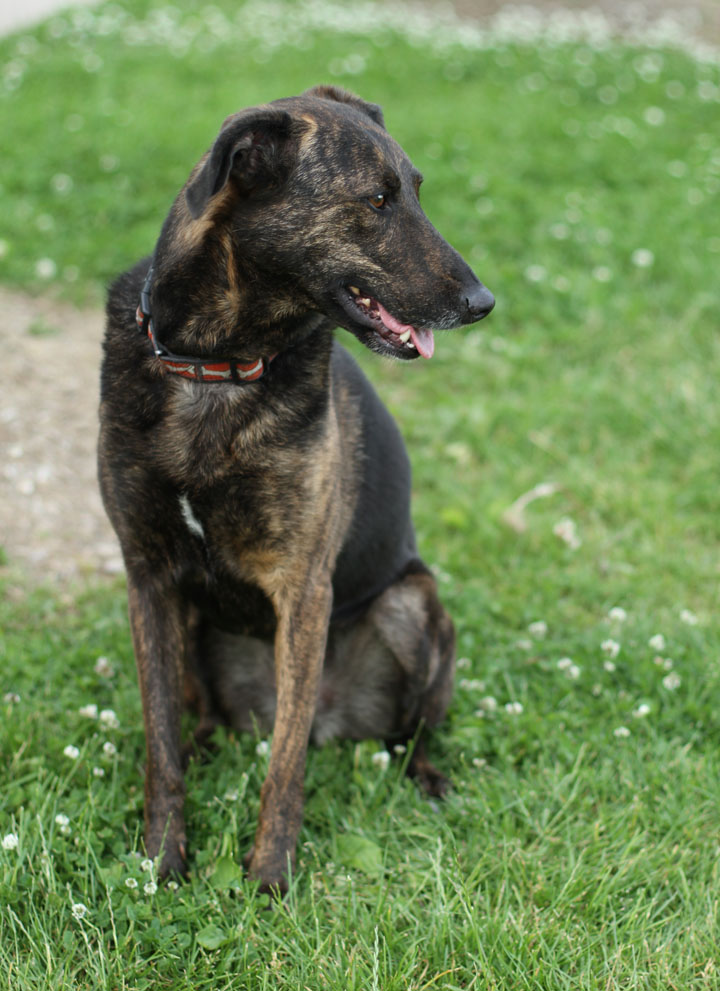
52	524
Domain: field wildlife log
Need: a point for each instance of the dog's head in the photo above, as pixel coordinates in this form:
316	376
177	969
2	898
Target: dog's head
321	203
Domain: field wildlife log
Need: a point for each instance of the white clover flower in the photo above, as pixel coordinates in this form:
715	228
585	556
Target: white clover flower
108	163
45	268
524	644
617	614
566	530
621	732
172	885
657	642
232	795
71	751
513	708
109	720
89	711
688	617
399	749
11	697
488	704
61	183
642	710
479	762
79	910
538	629
103	667
675	89
610	647
61	819
109	749
10	841
130	882
463	663
381	759
609	666
654	116
573	672
642	258
601	273
150	887
472	684
671	681
263	748
98	772
147	865
565	663
535	273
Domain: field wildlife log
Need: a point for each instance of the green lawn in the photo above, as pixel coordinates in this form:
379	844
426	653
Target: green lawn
579	848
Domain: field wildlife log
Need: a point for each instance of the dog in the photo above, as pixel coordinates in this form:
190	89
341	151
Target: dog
258	487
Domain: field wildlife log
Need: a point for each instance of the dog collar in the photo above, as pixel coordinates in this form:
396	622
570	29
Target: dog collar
199	369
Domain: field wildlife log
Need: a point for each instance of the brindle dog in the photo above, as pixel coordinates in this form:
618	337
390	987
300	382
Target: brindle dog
259	488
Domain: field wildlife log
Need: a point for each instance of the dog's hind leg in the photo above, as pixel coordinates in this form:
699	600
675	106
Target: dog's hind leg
198	697
413	625
389	672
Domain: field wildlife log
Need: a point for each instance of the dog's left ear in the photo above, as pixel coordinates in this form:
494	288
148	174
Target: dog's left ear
372	110
251	151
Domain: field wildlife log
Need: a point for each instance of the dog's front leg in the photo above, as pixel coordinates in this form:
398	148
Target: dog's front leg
159	636
299	654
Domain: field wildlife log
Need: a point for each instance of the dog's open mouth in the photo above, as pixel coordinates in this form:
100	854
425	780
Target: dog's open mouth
406	340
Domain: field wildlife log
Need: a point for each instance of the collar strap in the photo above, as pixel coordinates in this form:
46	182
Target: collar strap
199	369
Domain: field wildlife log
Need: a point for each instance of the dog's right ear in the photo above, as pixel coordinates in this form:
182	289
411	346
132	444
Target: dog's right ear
251	151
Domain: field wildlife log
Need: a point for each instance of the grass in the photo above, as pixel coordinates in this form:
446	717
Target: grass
579	849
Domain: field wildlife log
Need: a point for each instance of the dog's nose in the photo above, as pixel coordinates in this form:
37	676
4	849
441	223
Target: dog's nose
479	302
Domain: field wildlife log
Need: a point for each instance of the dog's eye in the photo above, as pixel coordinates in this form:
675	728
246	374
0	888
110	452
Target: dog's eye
377	201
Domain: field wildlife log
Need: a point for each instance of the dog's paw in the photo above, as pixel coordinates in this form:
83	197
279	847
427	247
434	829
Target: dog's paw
432	781
271	872
168	851
173	865
426	775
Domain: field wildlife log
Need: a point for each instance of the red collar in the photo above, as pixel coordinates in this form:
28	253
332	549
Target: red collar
199	369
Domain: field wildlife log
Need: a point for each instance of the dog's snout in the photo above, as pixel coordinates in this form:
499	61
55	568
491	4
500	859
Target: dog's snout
479	301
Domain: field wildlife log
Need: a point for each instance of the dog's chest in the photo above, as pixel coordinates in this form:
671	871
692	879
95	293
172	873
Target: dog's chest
263	517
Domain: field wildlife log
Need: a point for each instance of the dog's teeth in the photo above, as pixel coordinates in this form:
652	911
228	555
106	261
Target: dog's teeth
405	337
411	345
365	301
354	290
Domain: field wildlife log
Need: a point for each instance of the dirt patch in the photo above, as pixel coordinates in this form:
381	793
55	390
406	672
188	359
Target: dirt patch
52	523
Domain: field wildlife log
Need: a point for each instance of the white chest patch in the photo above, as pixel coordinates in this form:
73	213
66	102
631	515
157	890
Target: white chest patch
193	523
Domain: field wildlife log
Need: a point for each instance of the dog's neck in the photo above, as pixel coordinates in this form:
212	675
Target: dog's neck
230	311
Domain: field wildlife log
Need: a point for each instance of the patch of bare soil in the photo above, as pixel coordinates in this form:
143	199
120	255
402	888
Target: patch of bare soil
52	523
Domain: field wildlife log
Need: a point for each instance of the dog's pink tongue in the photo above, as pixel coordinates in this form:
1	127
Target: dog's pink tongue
422	339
